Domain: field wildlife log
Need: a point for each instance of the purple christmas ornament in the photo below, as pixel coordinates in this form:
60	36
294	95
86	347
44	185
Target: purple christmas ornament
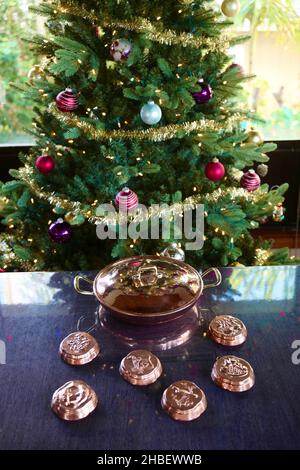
60	231
203	95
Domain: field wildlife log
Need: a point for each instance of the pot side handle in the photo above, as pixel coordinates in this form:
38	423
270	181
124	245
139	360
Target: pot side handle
218	277
77	280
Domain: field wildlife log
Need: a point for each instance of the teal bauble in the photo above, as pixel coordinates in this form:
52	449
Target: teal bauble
151	113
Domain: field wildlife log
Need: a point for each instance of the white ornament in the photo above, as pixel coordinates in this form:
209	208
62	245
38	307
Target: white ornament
120	50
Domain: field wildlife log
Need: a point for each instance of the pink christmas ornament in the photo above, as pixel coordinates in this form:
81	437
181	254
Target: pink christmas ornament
214	170
45	164
126	199
250	181
66	101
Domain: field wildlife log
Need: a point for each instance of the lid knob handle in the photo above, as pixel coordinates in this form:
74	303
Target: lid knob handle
146	276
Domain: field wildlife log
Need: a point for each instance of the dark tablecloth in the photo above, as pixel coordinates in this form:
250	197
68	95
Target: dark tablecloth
38	310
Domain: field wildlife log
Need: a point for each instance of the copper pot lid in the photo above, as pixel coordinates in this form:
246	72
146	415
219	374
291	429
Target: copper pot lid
148	285
79	348
140	367
227	330
184	401
74	400
233	373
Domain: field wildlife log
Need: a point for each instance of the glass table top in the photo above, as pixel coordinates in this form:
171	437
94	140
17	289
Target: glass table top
37	310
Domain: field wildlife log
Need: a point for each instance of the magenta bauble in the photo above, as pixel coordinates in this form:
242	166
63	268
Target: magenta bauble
215	170
45	164
67	101
126	200
60	231
250	180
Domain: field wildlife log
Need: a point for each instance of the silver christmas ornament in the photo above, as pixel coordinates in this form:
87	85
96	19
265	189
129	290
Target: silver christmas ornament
174	251
262	170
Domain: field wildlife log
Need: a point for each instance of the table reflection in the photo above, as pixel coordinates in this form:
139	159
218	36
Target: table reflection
159	337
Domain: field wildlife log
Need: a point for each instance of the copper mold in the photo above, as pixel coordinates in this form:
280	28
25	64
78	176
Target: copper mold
140	367
74	401
79	348
227	330
184	401
233	373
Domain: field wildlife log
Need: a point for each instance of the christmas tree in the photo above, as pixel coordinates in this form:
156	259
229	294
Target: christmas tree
142	95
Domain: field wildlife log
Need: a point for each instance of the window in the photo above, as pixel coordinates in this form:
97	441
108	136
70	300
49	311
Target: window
273	55
16	59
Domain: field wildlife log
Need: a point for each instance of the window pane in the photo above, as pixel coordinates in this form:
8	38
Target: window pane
16	59
273	55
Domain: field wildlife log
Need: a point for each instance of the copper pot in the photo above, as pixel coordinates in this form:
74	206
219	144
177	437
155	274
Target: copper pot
148	289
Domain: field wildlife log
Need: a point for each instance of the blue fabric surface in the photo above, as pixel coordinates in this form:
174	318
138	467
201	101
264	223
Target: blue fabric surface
38	310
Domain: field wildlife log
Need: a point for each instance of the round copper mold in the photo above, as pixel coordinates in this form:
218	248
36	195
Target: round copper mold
227	330
233	373
148	289
74	400
79	348
140	367
184	401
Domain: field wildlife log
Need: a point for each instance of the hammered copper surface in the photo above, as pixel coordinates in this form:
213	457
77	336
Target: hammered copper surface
140	367
233	373
184	401
148	289
79	348
148	286
227	330
74	400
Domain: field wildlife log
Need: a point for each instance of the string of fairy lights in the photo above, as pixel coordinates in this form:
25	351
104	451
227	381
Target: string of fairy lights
89	211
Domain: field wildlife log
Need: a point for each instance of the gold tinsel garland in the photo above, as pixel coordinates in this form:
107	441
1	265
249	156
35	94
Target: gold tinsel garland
90	211
154	134
9	256
261	256
142	25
